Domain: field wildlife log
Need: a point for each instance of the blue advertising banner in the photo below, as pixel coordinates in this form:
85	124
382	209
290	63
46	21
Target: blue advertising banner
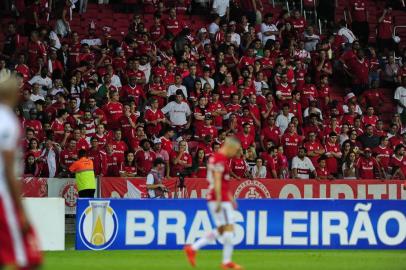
260	224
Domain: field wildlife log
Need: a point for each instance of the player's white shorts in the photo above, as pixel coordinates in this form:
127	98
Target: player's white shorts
225	216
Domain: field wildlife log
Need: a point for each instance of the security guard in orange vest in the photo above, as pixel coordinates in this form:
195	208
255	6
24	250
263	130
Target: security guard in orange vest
84	174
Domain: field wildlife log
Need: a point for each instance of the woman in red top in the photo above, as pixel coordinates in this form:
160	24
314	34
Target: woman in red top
199	164
128	168
181	160
33	148
32	168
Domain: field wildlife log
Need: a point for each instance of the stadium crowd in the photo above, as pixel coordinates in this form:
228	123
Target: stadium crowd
175	92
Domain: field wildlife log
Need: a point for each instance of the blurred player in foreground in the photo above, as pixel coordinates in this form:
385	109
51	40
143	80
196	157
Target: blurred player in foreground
18	243
221	205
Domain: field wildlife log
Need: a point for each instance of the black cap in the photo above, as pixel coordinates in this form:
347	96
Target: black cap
158	161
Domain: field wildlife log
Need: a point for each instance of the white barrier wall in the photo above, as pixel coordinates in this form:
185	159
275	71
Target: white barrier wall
47	215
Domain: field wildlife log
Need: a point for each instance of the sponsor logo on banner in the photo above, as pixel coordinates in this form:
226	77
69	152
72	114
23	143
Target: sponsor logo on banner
65	188
252	189
259	224
98	225
70	193
264	188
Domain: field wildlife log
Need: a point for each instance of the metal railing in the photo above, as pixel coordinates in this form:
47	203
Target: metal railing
396	28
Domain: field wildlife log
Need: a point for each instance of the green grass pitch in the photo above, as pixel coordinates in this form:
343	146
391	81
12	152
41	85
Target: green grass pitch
210	260
251	260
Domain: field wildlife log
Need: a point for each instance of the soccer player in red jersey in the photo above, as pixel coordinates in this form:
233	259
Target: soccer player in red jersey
220	204
18	243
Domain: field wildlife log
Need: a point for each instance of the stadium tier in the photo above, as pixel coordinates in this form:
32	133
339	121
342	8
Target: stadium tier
287	116
310	93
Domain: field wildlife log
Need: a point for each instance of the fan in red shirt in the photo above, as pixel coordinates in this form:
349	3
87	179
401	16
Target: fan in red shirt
113	110
397	159
367	166
238	166
358	16
314	149
323	92
173	25
298	22
98	156
79	134
166	139
22	68
157	30
68	156
246	138
154	119
199	164
270	133
58	125
359	72
101	135
180	160
227	89
291	142
234	106
383	153
217	110
372	97
119	146
128	168
385	29
398	164
207	129
247	60
36	49
333	153
369	118
271	160
132	90
283	90
34	124
128	122
113	162
322	170
158	90
144	158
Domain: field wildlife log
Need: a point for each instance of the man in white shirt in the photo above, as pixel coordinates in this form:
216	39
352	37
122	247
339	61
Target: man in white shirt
155	187
214	27
283	119
145	67
268	29
311	39
42	79
36	94
235	37
172	89
302	166
221	7
400	96
178	111
347	33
